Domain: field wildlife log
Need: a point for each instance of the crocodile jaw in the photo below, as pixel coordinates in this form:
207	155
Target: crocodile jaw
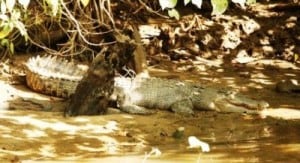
223	100
235	103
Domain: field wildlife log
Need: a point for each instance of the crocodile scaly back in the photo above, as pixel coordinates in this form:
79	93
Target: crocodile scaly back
53	76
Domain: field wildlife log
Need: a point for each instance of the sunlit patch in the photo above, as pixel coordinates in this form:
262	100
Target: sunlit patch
229	80
205	73
4	105
282	113
259	75
127	116
80	119
108	128
157	70
48	151
265	10
14	152
290	74
267	131
290	147
34	133
7	136
89	149
220	70
111	126
108	145
10	90
4	128
180	83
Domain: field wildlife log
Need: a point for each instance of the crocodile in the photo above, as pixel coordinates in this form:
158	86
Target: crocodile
59	77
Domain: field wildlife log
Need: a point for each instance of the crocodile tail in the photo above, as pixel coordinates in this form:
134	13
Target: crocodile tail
53	76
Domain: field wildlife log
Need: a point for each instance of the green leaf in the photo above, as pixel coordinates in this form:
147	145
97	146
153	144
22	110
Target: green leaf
24	3
10	4
167	3
186	2
173	13
85	2
4	42
249	2
21	27
219	6
296	57
5	31
12	48
197	3
4	18
3	7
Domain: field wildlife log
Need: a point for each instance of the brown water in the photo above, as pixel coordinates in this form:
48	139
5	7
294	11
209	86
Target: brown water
46	136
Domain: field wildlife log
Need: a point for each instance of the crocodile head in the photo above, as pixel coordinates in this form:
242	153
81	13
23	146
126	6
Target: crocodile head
227	101
234	102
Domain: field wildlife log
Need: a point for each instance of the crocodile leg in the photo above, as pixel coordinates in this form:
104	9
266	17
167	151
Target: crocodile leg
183	107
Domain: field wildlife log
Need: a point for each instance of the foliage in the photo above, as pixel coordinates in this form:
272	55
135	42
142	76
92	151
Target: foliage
13	19
74	18
11	14
219	6
43	22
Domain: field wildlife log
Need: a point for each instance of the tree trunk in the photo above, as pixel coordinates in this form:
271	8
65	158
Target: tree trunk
93	92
